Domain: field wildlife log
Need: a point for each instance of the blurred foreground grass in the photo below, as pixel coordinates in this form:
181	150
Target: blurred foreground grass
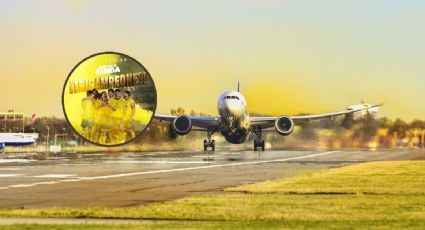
384	195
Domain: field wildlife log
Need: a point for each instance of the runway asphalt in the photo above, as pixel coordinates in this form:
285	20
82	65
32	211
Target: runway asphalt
129	179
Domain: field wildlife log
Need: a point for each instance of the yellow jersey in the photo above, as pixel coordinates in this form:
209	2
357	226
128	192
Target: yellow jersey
97	104
104	115
118	105
87	104
129	108
104	110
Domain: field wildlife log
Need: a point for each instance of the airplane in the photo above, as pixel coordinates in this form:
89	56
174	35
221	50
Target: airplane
235	124
17	139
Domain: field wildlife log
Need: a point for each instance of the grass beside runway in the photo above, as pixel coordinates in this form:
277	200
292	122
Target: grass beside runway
337	225
383	177
384	195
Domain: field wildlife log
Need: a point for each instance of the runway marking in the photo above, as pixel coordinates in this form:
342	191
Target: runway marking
217	155
95	154
15	160
10	175
157	162
31	185
9	169
202	156
165	171
55	175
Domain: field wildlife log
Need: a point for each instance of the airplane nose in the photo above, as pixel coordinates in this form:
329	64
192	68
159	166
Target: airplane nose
235	108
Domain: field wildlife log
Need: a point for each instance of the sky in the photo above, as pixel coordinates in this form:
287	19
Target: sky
291	56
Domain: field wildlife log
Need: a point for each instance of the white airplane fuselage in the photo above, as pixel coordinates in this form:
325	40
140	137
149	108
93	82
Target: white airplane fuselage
234	122
17	139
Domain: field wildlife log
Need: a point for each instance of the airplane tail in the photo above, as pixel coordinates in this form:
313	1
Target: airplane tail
238	86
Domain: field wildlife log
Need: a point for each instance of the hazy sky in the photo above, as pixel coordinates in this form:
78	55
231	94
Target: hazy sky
290	56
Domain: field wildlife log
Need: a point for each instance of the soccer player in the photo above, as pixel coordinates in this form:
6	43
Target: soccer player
118	103
130	108
95	94
111	93
87	115
94	134
104	119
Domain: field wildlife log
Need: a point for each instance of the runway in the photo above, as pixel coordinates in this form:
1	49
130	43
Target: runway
129	179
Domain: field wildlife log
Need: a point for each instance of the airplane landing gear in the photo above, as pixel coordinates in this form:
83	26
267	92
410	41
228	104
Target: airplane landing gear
259	142
209	143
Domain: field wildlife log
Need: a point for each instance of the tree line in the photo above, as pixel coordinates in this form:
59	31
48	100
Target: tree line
384	132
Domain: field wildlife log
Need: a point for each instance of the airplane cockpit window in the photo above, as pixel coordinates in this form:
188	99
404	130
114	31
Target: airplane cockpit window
231	97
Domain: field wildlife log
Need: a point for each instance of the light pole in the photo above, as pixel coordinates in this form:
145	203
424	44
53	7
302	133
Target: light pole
60	135
48	134
76	142
63	134
423	139
5	122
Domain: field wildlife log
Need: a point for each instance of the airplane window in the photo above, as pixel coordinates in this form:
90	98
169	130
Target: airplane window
233	97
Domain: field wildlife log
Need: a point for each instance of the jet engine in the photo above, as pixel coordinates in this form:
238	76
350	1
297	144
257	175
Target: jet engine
182	125
284	125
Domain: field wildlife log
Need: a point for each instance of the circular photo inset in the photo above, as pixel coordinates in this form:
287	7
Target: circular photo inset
109	98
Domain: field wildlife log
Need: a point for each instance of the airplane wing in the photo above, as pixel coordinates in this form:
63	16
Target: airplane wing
200	122
268	122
